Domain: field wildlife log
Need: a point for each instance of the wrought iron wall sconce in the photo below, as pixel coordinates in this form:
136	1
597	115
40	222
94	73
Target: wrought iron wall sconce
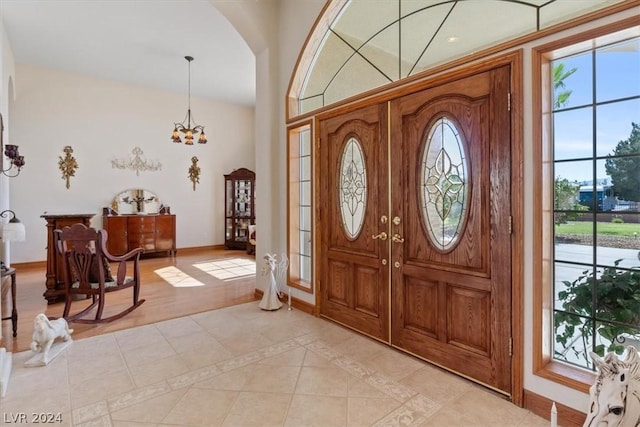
67	164
14	230
16	161
194	172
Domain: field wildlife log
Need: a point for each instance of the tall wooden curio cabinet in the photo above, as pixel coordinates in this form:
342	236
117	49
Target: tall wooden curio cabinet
239	207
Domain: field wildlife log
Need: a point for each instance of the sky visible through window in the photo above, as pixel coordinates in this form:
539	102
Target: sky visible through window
617	105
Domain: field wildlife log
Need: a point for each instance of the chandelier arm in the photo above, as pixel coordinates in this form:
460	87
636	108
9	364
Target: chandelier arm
181	124
195	125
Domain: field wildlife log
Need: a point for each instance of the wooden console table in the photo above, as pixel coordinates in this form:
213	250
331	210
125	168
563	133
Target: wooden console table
55	279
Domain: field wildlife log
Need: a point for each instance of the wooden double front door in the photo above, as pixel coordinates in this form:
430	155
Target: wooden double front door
415	224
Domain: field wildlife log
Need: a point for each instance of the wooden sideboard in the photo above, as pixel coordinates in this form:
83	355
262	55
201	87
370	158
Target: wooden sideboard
55	280
151	232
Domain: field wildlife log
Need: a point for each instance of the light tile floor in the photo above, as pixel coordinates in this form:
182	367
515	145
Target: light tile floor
241	366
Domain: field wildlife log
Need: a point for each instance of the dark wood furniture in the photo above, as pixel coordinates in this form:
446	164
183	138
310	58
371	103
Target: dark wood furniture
55	280
152	232
251	244
85	261
11	272
239	207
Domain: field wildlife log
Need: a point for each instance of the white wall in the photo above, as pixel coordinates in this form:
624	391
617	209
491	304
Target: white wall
103	120
275	30
256	23
7	71
7	66
299	18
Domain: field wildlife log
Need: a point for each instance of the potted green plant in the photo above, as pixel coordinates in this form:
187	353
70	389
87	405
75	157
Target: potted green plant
611	297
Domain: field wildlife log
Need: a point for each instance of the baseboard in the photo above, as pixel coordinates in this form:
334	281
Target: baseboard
295	302
30	264
43	264
199	248
541	406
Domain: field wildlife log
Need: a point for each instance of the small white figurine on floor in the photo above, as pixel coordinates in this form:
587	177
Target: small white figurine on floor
45	333
615	396
277	271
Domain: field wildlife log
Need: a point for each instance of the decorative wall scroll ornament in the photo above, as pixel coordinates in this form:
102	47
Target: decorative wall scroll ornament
136	163
615	395
45	333
278	275
67	165
194	172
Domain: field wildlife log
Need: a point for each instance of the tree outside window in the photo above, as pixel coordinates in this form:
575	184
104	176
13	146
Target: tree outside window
596	157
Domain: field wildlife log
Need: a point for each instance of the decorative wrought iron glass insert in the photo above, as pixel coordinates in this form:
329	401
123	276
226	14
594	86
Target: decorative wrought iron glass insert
443	184
353	188
360	45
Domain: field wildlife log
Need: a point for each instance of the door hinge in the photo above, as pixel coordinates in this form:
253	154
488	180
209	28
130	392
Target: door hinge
510	224
509	101
510	347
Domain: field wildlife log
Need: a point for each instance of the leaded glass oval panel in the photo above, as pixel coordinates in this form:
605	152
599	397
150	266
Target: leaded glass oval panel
353	188
444	189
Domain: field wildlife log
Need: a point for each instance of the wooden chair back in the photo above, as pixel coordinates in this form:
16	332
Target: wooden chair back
86	271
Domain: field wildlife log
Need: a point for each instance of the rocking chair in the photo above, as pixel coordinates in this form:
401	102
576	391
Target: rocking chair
85	263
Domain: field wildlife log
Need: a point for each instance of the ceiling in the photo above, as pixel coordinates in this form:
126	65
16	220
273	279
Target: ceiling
142	42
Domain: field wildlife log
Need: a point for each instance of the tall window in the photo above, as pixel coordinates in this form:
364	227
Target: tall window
595	157
300	207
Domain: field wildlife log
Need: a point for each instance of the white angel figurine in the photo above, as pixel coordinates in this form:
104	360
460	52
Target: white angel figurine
277	272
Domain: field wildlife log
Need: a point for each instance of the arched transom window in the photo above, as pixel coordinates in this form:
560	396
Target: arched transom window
359	45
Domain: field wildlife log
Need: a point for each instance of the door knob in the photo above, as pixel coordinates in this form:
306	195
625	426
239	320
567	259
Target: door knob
396	238
381	236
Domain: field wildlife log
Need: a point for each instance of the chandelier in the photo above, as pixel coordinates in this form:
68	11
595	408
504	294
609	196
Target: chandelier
188	131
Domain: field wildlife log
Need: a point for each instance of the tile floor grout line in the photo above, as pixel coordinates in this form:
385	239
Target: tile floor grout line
220	371
412	405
